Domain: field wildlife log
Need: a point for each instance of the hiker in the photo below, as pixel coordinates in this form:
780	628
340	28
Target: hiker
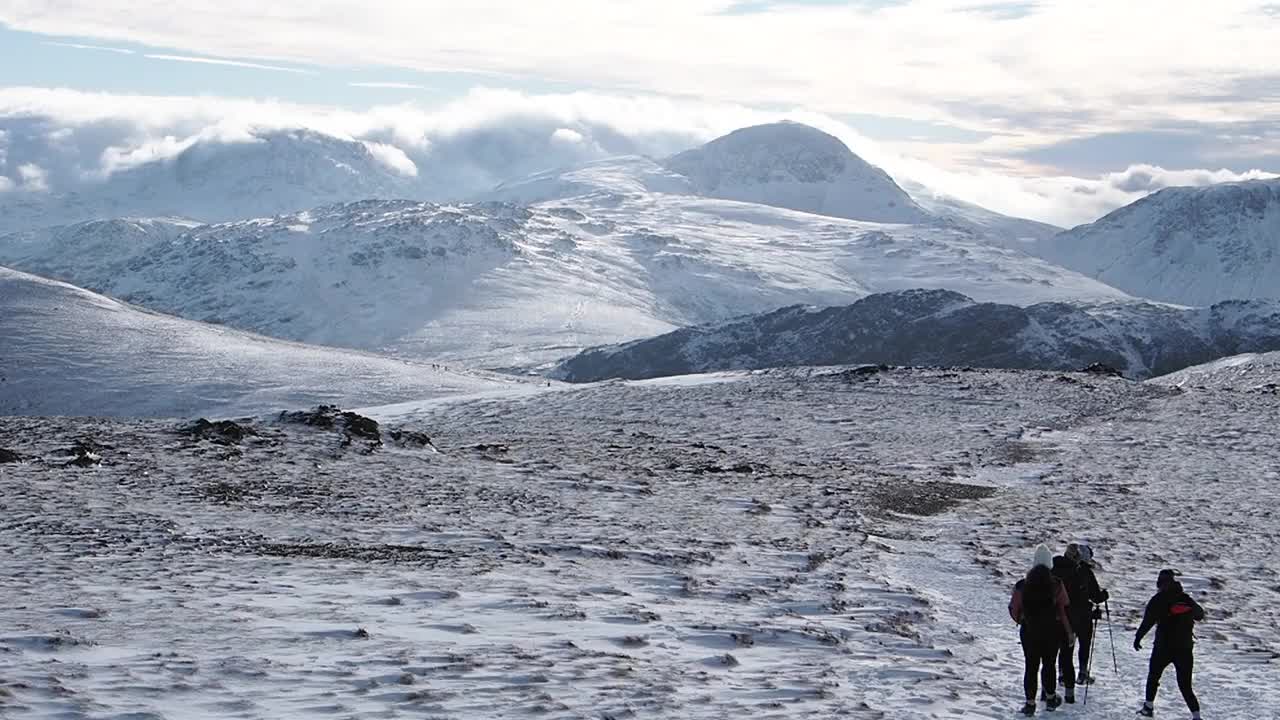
1075	569
1173	614
1039	606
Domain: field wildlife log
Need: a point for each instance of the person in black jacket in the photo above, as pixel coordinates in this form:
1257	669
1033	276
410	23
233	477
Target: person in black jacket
1173	614
1084	593
1067	572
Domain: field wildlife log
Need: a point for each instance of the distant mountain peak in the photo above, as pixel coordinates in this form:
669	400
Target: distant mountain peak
775	152
798	167
1187	245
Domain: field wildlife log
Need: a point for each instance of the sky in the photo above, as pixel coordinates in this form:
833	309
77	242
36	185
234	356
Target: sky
1053	109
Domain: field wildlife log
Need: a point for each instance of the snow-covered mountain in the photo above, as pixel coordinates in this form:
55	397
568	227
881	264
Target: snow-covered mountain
941	327
1247	372
792	159
68	351
95	248
270	173
797	167
497	285
1187	245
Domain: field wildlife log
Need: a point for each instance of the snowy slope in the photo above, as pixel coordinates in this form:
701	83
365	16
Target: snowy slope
616	179
494	285
67	351
1250	371
941	327
1193	246
1011	232
788	545
269	173
797	167
95	248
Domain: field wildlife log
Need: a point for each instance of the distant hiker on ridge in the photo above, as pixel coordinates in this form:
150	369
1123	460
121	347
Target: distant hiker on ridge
1173	614
1075	569
1039	606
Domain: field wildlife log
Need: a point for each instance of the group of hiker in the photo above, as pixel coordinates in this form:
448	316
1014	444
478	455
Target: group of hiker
1058	606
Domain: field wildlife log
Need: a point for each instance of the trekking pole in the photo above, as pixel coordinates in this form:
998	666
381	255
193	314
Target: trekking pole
1114	661
1088	659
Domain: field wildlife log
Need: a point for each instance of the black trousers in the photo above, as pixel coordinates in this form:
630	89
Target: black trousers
1083	627
1040	657
1066	661
1183	662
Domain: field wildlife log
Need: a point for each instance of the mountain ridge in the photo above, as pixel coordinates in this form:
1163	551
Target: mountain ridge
499	285
942	327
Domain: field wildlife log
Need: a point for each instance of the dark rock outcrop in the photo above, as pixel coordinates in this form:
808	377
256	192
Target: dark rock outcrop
222	432
353	426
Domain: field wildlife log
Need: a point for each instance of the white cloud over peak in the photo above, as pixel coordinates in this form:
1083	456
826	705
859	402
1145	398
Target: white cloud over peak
393	157
1150	178
32	177
490	136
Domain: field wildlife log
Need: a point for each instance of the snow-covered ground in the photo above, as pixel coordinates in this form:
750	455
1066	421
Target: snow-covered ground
65	351
773	544
1252	371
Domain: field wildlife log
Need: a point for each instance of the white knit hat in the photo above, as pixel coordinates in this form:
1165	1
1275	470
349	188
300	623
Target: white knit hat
1044	556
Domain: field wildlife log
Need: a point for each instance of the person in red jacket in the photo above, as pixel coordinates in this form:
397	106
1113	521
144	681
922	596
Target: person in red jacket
1039	606
1173	614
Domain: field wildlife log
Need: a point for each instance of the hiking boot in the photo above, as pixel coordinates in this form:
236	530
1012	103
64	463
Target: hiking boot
1053	703
1069	697
1147	711
1029	709
1084	679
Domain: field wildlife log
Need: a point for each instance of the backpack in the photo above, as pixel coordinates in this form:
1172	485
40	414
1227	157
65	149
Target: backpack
1039	600
1075	578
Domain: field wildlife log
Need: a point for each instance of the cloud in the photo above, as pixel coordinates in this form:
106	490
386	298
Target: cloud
565	135
972	63
490	136
33	178
394	158
100	48
1150	178
387	85
117	158
232	63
